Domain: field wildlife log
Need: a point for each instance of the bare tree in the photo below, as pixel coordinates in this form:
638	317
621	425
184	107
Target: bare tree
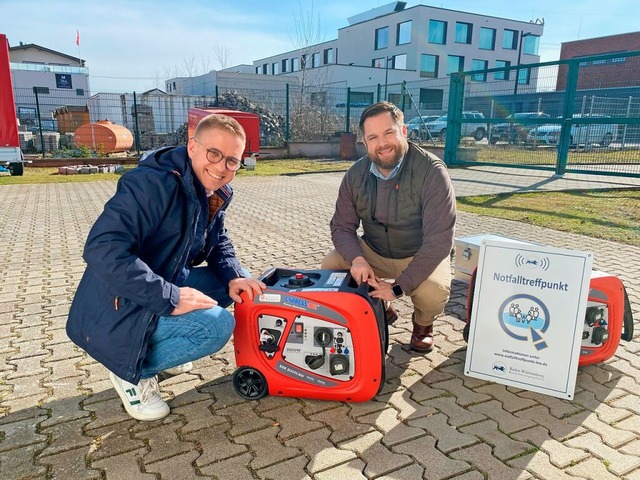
311	116
221	54
188	66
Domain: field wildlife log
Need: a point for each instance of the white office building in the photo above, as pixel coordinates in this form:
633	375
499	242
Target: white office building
391	44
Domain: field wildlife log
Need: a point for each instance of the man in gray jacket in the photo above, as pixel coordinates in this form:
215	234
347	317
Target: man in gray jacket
402	197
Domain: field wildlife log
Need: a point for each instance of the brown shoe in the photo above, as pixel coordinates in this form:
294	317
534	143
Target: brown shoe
422	338
390	314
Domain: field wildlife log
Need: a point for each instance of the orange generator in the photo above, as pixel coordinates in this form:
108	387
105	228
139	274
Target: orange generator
249	121
310	334
608	317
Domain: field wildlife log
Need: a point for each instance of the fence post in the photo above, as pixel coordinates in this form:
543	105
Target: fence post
216	102
624	133
567	114
35	91
286	127
454	112
348	122
403	91
379	92
135	123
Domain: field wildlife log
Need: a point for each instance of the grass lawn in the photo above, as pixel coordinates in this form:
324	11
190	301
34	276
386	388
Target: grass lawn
611	215
264	168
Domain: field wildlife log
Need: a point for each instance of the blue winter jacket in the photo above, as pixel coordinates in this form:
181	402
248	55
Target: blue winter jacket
135	252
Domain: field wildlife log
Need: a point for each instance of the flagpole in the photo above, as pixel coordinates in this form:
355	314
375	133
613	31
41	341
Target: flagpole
78	44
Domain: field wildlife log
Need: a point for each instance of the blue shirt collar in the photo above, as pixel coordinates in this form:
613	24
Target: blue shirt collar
374	169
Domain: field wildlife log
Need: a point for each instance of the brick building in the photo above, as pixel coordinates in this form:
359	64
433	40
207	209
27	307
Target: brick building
605	73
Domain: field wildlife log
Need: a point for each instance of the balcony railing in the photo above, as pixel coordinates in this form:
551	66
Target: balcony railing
39	67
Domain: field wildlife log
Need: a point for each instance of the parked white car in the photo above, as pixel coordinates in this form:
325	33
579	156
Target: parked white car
581	134
438	128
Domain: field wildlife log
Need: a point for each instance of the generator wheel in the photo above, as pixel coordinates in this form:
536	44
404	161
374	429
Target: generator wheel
465	332
249	383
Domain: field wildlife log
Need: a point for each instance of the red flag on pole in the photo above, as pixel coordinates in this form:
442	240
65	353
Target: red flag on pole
77	38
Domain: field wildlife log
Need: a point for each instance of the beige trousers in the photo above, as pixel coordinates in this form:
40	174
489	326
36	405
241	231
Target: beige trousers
429	298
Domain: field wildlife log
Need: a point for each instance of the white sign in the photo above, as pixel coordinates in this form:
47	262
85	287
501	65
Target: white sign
527	316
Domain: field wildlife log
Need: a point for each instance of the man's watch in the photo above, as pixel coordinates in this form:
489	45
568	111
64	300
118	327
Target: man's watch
397	290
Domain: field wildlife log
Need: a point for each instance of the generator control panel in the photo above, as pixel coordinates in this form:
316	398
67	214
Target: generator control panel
318	346
596	325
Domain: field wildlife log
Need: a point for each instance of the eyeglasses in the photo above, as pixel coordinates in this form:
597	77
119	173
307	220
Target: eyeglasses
215	156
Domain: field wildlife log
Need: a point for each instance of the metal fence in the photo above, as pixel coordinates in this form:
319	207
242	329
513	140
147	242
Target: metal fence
581	125
584	128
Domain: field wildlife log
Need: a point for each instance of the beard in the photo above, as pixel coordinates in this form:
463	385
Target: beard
390	161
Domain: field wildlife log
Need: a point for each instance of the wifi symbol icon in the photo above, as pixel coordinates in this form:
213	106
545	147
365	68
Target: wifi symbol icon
532	262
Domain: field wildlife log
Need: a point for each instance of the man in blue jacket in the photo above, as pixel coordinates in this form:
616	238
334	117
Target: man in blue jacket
142	306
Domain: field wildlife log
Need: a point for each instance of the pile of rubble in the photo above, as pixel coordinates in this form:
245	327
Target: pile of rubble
272	126
85	169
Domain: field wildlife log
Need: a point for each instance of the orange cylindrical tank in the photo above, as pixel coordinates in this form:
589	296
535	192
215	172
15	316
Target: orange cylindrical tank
104	136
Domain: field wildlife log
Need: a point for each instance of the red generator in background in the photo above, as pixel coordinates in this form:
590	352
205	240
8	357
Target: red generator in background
310	334
608	317
249	121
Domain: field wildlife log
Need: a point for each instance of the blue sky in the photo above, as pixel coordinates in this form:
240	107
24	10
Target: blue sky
135	44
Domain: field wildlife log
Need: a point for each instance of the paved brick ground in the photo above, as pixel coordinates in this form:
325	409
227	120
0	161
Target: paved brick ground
60	418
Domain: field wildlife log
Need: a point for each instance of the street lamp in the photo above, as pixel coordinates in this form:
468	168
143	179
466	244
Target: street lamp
386	75
515	87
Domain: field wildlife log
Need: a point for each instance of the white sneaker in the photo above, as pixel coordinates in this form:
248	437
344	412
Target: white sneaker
141	401
177	370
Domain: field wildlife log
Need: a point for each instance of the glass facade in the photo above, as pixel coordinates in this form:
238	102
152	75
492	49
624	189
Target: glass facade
382	38
403	35
487	38
437	32
428	65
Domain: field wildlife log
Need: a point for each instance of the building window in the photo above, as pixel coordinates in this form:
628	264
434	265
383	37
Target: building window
455	63
530	44
382	38
397	99
315	60
328	56
403	34
80	92
295	64
400	61
429	65
437	32
504	75
510	39
265	69
524	76
360	99
431	98
275	68
479	65
380	62
487	38
284	65
303	62
464	32
257	70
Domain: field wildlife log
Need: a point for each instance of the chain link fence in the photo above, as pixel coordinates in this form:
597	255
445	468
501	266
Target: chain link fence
544	115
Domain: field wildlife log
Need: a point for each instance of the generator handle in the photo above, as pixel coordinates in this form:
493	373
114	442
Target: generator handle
363	288
627	332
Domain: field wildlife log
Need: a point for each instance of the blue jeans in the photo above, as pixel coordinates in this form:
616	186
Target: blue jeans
180	339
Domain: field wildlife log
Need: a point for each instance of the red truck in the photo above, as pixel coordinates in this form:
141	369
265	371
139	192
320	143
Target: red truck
11	157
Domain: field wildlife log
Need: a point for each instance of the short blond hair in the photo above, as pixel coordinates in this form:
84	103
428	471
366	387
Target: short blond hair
222	122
